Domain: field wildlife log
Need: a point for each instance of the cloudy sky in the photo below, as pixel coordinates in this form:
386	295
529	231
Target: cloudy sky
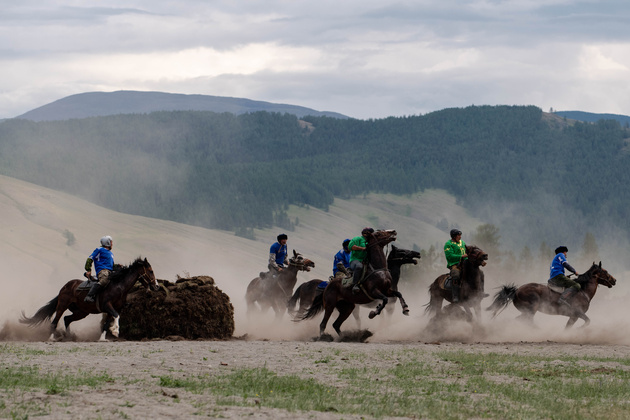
365	59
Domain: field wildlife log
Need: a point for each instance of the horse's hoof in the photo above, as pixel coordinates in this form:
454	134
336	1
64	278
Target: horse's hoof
372	314
406	312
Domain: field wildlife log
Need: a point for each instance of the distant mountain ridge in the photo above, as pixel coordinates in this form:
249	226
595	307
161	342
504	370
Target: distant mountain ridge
99	104
593	117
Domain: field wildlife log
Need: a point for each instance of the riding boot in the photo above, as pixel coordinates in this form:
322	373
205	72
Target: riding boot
355	281
93	291
566	295
455	292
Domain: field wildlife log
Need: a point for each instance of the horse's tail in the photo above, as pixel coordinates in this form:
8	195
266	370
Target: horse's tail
431	307
44	313
316	307
502	299
292	303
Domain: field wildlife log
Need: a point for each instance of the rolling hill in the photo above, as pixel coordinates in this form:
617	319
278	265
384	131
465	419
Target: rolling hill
47	235
96	104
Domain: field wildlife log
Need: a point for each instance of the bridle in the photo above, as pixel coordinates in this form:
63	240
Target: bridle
144	277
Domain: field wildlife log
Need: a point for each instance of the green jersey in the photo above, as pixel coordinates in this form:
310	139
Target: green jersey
358	255
453	252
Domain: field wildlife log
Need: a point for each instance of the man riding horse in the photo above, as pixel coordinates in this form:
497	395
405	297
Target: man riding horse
103	259
358	247
558	279
455	253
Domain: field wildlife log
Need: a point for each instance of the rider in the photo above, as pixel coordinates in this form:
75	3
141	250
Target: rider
278	255
358	254
341	263
103	259
557	277
455	253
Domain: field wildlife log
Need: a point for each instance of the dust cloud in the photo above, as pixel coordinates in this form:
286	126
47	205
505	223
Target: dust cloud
38	259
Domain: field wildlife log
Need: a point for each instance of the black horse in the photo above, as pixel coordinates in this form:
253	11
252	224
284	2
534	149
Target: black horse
535	297
377	284
305	294
471	292
109	301
270	292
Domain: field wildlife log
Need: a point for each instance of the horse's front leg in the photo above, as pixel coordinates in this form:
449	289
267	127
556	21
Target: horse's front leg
405	308
380	306
115	325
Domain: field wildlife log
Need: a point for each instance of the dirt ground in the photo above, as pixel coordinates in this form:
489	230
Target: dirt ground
137	366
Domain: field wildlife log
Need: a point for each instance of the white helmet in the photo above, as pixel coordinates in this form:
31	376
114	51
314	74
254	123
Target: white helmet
106	241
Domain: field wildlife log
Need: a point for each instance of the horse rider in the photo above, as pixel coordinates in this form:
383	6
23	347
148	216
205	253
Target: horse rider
358	255
455	253
103	260
557	277
278	255
341	262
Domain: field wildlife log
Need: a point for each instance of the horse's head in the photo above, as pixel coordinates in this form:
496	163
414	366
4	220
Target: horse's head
303	264
382	237
406	256
602	276
476	255
147	277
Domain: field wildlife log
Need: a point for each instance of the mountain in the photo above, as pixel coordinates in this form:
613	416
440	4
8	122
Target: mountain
95	104
592	117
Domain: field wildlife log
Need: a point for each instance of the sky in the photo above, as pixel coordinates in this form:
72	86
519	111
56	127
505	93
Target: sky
365	59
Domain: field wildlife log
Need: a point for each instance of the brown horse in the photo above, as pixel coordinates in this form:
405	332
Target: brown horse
306	292
110	300
534	297
273	292
377	284
471	290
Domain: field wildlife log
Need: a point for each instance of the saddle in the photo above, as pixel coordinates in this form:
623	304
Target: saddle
87	284
445	283
555	288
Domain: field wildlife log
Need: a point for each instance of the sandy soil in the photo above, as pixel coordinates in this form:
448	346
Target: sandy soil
137	366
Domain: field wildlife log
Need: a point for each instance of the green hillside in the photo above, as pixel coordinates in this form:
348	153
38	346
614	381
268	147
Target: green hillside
529	173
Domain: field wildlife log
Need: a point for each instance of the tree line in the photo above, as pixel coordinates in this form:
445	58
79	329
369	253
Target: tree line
223	171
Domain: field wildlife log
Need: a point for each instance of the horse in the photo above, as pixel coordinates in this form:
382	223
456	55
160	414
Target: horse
535	297
376	284
471	290
110	300
273	292
306	292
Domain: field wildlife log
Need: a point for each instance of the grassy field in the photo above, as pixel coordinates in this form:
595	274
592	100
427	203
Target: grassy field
330	380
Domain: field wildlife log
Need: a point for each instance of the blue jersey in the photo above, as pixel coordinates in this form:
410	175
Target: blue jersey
103	259
341	257
558	264
280	251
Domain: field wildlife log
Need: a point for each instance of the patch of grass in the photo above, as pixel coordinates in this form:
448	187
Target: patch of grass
457	385
30	377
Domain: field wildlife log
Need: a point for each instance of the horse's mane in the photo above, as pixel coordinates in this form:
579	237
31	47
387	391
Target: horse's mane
583	278
120	272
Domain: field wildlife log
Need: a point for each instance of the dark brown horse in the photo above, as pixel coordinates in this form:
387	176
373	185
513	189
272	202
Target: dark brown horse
535	297
273	292
377	284
110	300
306	292
471	290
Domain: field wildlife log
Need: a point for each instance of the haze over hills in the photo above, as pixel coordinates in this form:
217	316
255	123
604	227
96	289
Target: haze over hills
95	104
47	235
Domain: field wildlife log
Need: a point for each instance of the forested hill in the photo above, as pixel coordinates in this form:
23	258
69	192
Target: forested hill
528	172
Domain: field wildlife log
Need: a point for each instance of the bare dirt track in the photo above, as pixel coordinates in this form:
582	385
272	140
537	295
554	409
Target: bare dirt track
135	368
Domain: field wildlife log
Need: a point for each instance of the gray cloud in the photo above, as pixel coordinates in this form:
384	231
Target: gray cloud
367	59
